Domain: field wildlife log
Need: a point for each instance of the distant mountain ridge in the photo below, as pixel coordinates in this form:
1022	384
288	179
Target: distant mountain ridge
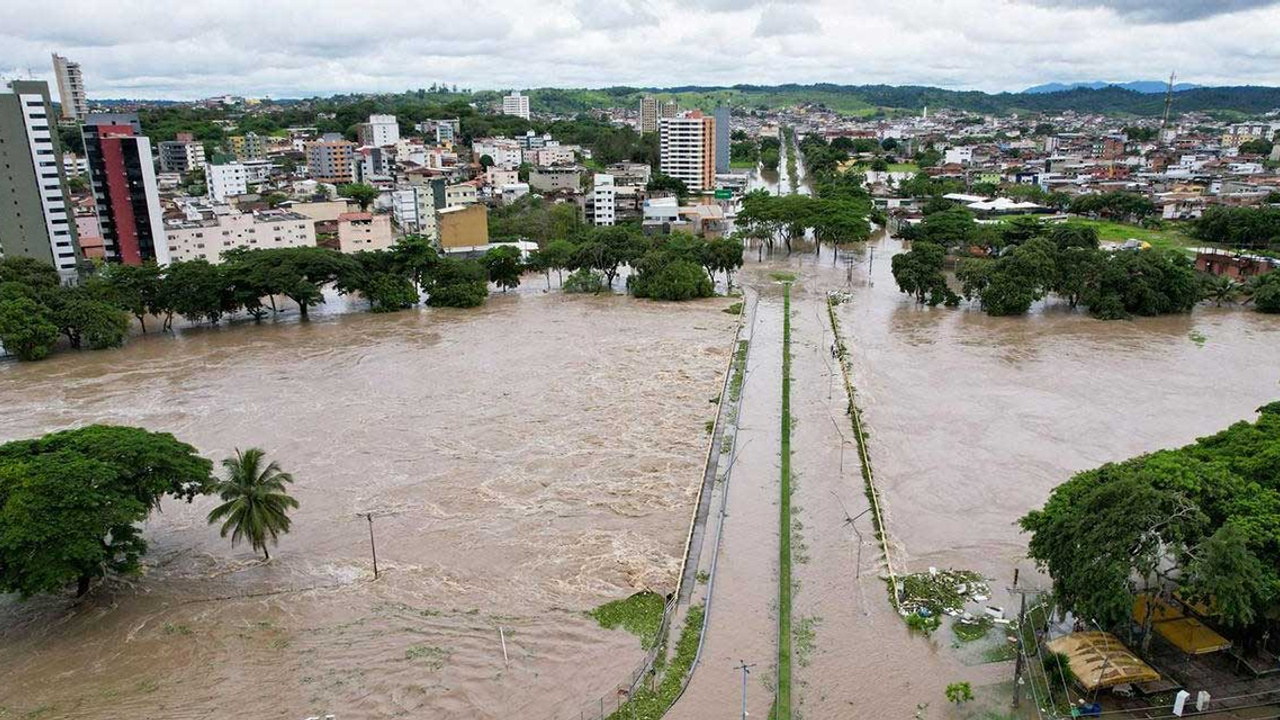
1142	86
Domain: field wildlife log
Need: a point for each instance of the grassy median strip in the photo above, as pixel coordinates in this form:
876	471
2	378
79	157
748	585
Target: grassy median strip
782	708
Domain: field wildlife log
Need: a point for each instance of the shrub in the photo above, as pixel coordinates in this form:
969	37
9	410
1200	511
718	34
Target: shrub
583	280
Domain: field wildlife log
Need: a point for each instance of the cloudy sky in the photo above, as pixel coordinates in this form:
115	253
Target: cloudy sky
294	48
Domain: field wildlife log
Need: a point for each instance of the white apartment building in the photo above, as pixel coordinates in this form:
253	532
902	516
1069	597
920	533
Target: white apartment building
208	239
226	181
516	104
413	208
687	149
70	89
603	200
381	131
460	194
505	152
958	156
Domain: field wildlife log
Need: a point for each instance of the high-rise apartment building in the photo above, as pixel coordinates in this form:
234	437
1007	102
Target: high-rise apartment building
332	161
687	149
722	138
604	201
36	216
516	104
380	131
247	146
648	114
75	107
182	155
123	176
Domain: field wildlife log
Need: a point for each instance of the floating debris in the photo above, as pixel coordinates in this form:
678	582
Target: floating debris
941	591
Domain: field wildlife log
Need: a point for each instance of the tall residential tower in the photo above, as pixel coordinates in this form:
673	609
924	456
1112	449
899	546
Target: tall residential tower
122	173
687	149
70	89
36	219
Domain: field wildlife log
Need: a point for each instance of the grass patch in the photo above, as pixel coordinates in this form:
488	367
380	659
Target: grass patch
783	703
652	701
783	277
806	639
971	630
172	629
1004	652
640	615
1168	237
739	371
1197	337
428	655
733	309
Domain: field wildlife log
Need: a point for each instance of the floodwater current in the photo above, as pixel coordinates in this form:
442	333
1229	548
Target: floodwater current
523	462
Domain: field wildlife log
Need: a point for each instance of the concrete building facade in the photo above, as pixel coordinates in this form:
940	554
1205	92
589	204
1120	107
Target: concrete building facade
687	149
722	138
380	131
123	176
364	231
181	156
36	215
603	200
75	106
516	104
225	181
208	239
332	161
465	226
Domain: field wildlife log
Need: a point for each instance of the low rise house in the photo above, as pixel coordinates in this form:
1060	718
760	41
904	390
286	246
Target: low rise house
364	231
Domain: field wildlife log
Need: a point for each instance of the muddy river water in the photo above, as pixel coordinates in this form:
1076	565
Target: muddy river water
534	458
524	462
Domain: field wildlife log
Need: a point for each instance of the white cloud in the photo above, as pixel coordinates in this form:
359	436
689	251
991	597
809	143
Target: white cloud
778	20
614	14
290	48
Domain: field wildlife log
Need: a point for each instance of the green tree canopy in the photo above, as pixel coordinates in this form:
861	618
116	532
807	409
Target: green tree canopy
70	502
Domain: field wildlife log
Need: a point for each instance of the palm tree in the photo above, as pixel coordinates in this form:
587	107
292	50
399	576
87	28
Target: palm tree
255	503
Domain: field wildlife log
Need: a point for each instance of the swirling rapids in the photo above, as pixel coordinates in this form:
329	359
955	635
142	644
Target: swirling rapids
524	462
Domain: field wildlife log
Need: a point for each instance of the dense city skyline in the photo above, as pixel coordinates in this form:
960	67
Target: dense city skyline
193	51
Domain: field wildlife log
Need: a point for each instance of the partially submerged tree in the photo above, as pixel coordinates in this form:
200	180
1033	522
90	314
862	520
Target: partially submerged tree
70	502
255	502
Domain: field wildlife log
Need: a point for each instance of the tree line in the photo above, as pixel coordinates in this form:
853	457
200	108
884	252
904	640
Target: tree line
1007	269
36	309
665	267
71	502
1201	519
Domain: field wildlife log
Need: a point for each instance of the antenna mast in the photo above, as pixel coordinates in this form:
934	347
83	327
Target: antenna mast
1168	103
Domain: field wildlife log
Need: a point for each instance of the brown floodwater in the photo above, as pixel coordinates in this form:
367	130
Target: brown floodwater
972	421
524	462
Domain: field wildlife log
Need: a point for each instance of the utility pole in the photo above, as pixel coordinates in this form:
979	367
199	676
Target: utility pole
1022	621
372	545
746	670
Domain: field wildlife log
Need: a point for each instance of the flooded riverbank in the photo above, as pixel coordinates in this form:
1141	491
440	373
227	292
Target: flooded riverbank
524	462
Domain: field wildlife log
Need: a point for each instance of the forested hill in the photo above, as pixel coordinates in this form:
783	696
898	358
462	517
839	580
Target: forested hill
873	99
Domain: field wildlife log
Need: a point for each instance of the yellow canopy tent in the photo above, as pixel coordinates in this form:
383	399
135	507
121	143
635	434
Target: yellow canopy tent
1186	633
1100	660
